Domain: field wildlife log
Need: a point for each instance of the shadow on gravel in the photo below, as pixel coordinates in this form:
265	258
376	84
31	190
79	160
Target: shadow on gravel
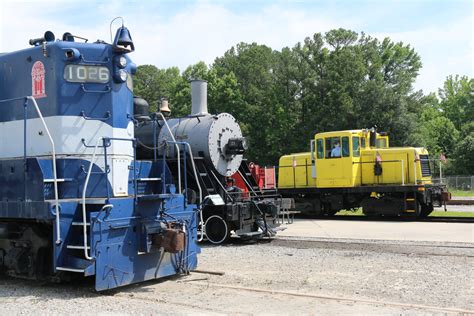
237	242
78	288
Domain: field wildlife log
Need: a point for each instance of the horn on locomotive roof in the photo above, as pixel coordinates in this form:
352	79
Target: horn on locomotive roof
48	37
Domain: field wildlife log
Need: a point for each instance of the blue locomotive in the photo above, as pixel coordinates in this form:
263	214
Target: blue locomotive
74	200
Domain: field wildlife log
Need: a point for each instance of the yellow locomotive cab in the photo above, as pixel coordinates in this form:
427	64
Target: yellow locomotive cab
342	166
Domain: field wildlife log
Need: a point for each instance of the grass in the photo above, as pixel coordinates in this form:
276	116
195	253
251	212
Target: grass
358	212
461	193
452	214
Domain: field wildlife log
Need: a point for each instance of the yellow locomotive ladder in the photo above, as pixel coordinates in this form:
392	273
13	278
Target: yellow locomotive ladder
410	205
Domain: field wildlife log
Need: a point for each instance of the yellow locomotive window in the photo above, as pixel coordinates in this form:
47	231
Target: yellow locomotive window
334	149
345	147
381	143
362	142
320	148
331	144
355	146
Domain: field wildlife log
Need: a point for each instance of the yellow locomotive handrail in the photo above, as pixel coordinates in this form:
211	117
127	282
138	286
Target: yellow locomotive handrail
402	166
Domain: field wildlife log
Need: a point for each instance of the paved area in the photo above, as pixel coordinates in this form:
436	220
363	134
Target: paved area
463	197
382	230
457	208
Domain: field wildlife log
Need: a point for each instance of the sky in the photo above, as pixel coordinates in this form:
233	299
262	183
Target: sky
180	33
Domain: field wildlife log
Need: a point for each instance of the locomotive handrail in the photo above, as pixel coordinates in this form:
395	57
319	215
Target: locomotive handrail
103	119
55	178
177	149
84	213
53	153
248	184
222	187
201	218
402	163
198	185
95	62
107	89
415	171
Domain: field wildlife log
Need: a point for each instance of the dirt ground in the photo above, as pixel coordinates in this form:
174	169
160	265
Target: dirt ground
287	275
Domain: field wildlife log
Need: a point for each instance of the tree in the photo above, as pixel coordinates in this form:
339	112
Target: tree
457	106
457	100
152	84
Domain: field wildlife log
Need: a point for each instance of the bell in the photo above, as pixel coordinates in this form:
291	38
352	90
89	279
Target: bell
68	37
123	41
164	107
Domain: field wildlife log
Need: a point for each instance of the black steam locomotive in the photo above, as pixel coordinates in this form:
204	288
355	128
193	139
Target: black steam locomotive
214	146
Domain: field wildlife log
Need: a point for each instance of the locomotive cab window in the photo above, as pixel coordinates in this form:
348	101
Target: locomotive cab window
345	147
355	146
335	148
320	148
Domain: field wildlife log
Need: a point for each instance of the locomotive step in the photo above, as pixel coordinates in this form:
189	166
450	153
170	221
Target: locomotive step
80	224
94	201
149	179
77	247
67	269
57	180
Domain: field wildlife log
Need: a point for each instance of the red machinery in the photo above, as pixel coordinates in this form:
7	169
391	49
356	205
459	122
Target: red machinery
263	176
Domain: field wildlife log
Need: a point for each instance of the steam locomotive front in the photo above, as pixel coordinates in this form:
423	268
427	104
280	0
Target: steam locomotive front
216	138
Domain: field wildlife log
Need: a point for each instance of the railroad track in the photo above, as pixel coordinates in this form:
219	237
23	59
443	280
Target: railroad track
292	294
461	250
443	219
461	202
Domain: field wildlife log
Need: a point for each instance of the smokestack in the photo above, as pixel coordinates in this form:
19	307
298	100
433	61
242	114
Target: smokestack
199	97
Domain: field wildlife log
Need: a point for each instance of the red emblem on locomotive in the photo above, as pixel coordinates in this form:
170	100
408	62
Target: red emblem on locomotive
38	84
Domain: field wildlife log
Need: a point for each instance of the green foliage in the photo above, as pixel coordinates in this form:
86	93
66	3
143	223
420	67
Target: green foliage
333	81
447	126
440	136
457	100
152	84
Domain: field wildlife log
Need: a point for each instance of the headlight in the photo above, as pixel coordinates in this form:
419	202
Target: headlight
122	62
121	75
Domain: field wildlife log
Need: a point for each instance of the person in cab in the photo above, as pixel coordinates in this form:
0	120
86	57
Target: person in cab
336	151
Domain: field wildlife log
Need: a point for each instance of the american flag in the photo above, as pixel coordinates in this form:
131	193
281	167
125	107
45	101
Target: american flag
378	158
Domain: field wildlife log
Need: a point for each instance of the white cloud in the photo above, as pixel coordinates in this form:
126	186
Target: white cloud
445	49
205	30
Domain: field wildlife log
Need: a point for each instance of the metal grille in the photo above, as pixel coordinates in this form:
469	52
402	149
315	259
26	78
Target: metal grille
425	165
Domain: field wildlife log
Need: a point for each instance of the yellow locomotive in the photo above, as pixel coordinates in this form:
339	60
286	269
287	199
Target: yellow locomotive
358	168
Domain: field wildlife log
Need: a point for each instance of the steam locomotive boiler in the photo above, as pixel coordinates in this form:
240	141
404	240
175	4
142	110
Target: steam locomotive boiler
74	199
216	148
